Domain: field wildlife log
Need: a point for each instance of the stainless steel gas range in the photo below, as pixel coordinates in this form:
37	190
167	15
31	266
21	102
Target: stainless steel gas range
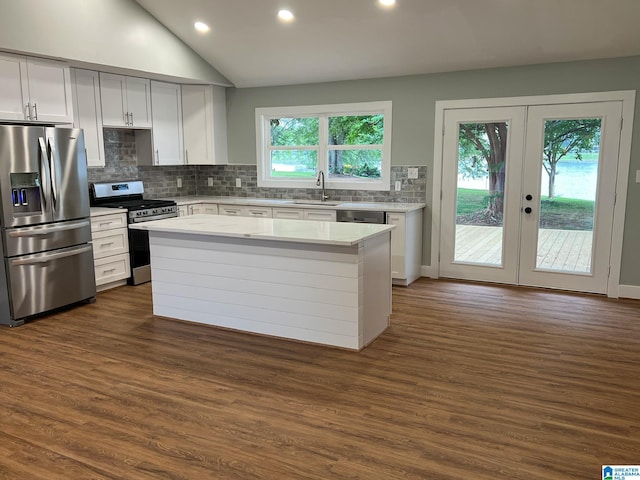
129	195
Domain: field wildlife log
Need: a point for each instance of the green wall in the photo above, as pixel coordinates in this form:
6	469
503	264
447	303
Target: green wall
414	100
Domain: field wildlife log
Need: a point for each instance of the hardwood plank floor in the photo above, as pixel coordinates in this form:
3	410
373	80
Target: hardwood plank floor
471	381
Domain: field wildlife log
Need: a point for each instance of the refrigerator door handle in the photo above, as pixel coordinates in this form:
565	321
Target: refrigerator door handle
52	169
44	172
50	257
48	230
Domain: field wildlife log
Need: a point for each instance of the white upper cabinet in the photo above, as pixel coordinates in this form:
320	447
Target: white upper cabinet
166	101
35	89
126	101
204	124
88	114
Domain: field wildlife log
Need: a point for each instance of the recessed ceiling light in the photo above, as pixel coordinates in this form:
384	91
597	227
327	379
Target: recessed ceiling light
201	27
387	3
285	15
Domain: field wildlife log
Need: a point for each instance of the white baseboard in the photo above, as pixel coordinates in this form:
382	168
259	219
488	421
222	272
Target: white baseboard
629	291
429	271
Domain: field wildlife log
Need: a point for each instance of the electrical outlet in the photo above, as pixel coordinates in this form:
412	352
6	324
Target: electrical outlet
210	181
398	185
238	183
179	182
412	172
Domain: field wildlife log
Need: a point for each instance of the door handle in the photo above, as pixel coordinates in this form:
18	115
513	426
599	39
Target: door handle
50	257
48	230
529	197
528	210
52	168
43	155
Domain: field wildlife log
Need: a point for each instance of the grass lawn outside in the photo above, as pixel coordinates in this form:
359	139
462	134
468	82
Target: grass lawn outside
558	213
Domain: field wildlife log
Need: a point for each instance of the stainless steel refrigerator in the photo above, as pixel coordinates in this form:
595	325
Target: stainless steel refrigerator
46	232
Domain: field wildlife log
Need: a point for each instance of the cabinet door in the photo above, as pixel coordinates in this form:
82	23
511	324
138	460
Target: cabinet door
139	101
49	91
88	114
398	240
167	123
183	210
113	100
197	121
14	93
289	213
321	215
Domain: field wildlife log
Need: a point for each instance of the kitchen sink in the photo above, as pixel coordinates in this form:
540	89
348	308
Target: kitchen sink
316	202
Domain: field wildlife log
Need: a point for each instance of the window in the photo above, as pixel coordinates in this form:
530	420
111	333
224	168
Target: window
350	143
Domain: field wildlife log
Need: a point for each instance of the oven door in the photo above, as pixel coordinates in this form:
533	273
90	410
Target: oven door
140	257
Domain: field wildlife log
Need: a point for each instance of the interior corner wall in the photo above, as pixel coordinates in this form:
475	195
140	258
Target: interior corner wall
414	99
112	33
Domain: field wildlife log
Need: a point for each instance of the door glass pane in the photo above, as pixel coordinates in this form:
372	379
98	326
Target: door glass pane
482	150
570	160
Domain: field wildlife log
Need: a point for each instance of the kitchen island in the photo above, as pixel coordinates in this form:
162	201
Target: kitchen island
320	282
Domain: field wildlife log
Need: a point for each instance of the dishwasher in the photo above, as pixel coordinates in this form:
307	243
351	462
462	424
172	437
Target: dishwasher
361	216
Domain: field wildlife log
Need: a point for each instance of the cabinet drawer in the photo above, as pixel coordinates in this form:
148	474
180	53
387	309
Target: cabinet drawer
289	213
112	268
231	210
108	222
321	215
110	242
258	212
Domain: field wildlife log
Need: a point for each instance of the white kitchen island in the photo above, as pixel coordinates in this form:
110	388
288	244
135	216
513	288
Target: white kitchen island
320	282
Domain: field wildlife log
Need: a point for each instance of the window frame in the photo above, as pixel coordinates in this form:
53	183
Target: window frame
323	112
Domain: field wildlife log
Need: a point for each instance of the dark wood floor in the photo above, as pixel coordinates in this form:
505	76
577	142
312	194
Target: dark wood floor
470	382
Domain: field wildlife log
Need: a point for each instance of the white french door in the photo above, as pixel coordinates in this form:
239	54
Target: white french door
528	194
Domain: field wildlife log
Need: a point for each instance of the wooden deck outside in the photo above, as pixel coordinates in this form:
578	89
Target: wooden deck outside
566	250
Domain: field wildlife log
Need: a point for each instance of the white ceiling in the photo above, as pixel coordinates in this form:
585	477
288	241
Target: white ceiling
354	39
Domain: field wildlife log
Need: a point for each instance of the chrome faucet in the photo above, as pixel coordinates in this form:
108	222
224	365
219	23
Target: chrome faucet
320	183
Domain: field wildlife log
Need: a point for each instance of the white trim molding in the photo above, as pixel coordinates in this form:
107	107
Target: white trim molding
629	291
265	114
627	97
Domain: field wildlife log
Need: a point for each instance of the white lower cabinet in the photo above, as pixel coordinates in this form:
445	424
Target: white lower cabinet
245	211
320	215
406	246
203	208
305	214
110	250
289	213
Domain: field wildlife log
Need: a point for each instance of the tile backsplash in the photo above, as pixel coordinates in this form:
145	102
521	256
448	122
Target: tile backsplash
121	164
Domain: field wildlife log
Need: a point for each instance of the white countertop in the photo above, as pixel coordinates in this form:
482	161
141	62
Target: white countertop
300	203
298	231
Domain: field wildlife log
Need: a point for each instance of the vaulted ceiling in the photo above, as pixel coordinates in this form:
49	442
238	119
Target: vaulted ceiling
353	39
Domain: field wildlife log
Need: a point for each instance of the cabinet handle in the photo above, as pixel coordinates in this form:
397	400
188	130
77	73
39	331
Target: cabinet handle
28	107
131	119
186	156
109	270
106	244
157	157
35	111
